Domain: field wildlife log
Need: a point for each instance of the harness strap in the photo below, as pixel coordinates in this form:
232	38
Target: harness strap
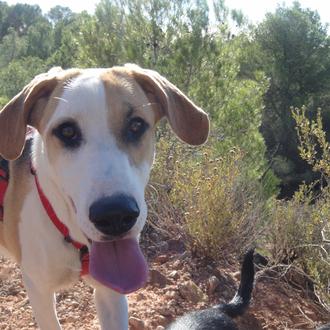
62	228
3	189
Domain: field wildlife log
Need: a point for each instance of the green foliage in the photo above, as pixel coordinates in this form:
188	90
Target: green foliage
20	17
11	47
294	45
300	227
313	144
39	40
59	15
300	234
3	101
66	45
19	73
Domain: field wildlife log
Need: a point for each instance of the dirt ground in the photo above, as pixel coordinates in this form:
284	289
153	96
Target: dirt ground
178	283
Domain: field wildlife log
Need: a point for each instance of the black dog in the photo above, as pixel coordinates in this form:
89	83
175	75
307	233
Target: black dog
220	317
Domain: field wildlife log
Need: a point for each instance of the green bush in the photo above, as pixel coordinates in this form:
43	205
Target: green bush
3	101
205	198
300	233
300	227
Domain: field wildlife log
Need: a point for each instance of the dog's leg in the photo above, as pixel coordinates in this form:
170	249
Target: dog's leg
112	309
42	300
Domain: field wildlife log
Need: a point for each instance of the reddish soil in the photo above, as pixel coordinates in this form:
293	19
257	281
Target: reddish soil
275	305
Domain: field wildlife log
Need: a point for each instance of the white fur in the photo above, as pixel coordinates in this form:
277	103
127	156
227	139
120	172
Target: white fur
98	168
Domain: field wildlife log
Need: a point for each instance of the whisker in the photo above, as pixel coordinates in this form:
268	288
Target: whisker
61	99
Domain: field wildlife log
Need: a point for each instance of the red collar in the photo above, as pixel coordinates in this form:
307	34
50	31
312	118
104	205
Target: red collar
3	189
62	228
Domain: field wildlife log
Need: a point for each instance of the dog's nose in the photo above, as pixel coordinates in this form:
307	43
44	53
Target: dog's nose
114	215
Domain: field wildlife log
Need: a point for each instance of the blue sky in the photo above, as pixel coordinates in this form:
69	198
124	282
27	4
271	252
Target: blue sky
253	9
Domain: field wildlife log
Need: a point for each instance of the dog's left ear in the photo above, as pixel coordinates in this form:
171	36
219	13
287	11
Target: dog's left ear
187	120
15	116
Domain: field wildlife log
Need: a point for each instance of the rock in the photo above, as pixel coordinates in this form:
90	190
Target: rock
176	245
165	311
154	236
161	320
209	268
161	258
75	304
177	264
174	274
172	303
136	323
163	247
237	275
212	284
140	296
185	255
160	327
152	248
171	294
69	319
157	278
190	291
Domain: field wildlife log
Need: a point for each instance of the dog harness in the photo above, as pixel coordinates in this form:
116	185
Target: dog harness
4	178
61	227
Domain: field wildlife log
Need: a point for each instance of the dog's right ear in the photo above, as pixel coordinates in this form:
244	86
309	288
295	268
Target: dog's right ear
15	116
189	122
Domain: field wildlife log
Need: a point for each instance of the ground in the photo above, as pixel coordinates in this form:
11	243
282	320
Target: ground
178	282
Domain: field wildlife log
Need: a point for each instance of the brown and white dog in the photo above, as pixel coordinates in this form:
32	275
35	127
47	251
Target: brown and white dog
91	154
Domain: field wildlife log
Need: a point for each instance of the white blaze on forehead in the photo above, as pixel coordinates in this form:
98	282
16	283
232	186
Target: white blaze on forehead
84	99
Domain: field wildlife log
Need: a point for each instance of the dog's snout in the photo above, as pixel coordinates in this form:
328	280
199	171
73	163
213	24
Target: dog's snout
114	215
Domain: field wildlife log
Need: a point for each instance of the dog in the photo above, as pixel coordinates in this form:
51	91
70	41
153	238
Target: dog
220	317
74	203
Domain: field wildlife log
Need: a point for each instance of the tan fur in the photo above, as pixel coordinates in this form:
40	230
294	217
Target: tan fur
45	107
122	101
19	185
17	114
42	118
2	238
14	117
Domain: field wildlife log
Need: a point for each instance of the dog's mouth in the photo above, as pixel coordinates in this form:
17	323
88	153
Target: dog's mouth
119	264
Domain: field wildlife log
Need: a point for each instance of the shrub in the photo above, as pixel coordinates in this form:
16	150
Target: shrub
3	101
300	235
204	198
300	227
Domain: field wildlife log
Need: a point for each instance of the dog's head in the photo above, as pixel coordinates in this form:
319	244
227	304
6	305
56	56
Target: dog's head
96	140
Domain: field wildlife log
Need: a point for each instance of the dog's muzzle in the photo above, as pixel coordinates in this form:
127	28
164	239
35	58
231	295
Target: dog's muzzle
114	215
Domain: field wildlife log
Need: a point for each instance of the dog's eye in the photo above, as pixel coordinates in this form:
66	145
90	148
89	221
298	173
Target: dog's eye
69	134
135	129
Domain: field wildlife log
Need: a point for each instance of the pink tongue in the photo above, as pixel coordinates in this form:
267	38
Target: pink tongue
119	265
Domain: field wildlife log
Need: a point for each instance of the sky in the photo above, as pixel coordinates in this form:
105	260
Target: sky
254	9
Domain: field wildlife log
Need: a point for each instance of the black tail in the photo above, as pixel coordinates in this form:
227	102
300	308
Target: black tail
241	300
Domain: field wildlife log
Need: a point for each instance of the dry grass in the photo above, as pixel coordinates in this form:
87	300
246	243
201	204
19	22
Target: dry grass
204	198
